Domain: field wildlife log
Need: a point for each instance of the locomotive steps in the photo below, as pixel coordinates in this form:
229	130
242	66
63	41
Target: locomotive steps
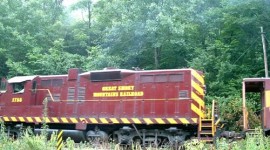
208	126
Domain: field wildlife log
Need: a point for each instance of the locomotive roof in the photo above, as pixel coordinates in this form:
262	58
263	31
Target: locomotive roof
134	71
19	79
185	69
108	70
65	75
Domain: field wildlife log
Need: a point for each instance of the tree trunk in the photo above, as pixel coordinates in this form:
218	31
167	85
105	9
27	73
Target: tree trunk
157	56
89	14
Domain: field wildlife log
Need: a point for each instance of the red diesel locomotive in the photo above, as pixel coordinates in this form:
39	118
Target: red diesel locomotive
127	105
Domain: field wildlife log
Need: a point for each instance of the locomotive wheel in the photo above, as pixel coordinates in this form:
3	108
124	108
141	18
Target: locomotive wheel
13	133
97	137
165	143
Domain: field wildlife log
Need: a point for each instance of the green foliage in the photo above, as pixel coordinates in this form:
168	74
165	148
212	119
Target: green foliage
97	59
231	111
232	49
253	141
54	61
219	37
195	144
26	141
27	25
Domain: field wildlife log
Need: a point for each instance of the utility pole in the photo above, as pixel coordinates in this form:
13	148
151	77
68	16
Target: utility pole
264	54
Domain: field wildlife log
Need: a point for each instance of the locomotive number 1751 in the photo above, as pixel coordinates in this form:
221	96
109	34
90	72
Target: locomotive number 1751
16	100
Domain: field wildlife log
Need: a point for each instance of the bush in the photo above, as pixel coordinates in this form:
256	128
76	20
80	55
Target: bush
254	140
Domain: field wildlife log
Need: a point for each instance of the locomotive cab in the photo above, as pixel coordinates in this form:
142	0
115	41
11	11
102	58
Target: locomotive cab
19	90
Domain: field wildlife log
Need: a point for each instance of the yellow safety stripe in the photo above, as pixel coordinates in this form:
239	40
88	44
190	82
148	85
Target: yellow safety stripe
159	121
6	119
103	120
197	99
198	76
197	110
47	120
267	98
195	120
74	120
38	119
29	119
55	119
13	119
125	120
171	121
114	120
198	88
136	120
64	120
148	120
184	120
93	120
21	119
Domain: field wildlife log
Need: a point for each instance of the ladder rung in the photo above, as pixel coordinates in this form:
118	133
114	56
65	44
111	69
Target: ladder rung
208	126
207	139
206	132
206	119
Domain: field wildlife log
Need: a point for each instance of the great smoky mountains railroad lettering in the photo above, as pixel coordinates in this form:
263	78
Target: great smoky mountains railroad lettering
117	91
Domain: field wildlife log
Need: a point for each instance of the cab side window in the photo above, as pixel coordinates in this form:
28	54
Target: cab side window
3	87
18	87
34	86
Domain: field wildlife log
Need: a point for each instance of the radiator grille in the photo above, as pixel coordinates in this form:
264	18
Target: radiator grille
71	93
81	93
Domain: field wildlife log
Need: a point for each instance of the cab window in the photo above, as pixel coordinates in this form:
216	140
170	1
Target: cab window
18	87
3	87
34	86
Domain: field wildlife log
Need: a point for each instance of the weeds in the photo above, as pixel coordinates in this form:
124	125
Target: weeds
253	141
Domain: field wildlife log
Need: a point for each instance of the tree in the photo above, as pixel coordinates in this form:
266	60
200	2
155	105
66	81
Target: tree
147	34
232	49
54	61
27	26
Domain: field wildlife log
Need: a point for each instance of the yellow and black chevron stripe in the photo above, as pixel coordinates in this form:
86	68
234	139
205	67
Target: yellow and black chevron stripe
74	120
197	93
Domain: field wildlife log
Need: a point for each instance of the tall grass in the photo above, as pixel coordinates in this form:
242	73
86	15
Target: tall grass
253	141
29	141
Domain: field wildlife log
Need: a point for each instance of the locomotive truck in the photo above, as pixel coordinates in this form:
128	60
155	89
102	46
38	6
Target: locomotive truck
146	106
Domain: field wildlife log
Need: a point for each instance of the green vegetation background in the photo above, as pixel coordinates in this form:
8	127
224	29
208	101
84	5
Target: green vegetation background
219	37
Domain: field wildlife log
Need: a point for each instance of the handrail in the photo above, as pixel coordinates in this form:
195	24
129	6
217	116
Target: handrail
213	109
217	122
49	92
213	117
